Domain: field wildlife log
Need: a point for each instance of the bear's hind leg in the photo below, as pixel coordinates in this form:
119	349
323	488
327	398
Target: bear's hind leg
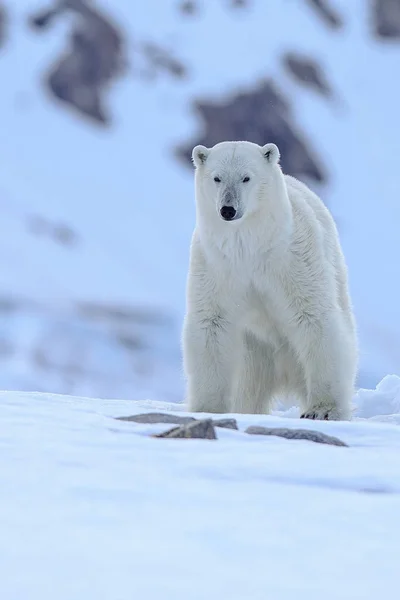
254	382
329	367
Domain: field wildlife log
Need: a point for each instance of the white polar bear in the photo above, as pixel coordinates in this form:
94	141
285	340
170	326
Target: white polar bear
268	306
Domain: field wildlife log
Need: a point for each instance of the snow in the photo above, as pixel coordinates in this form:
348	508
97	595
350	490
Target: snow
92	507
134	227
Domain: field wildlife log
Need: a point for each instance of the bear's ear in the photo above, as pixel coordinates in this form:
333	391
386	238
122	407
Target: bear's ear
271	153
199	155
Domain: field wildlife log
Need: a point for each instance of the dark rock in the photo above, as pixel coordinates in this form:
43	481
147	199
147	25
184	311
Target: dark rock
225	423
296	434
152	418
131	341
93	60
308	72
60	232
327	13
188	7
160	59
176	420
3	23
261	115
203	429
65	235
386	18
240	3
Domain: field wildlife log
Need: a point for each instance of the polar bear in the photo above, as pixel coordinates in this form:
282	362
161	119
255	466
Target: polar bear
268	306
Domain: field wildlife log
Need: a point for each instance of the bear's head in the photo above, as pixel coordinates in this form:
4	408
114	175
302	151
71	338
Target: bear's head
232	178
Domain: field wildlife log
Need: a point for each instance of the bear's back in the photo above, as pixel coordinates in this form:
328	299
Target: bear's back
300	194
310	212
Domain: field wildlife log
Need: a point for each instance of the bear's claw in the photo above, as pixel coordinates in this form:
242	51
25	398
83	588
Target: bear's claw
315	415
322	413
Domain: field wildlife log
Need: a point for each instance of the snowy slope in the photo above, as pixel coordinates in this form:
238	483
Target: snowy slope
91	507
130	201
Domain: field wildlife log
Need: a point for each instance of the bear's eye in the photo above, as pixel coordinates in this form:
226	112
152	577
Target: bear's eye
246	179
217	180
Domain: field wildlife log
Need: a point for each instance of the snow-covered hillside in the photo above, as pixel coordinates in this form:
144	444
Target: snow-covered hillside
93	507
100	212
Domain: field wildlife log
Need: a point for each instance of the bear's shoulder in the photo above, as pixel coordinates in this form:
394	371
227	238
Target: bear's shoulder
307	203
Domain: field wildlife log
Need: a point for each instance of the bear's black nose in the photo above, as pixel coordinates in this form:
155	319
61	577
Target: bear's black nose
228	213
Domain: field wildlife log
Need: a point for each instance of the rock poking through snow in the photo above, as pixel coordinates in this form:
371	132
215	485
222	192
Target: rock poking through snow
152	418
203	429
227	423
95	57
190	427
296	434
327	13
386	19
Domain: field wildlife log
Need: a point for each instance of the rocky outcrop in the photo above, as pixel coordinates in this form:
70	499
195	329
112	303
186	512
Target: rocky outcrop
60	233
307	72
260	115
158	60
152	418
386	18
203	430
93	59
188	8
327	13
190	427
3	24
192	7
296	434
227	423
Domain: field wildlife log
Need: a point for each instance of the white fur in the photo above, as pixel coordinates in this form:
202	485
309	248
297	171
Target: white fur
268	307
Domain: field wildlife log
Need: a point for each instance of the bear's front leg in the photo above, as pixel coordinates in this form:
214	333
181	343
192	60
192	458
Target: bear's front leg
325	353
254	381
208	362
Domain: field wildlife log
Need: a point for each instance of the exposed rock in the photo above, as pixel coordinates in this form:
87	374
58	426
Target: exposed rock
61	233
260	115
160	59
188	7
93	60
240	3
386	18
308	72
327	13
131	341
152	418
191	7
3	23
225	423
64	235
296	434
203	429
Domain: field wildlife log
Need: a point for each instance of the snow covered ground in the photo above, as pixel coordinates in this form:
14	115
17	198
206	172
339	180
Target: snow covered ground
92	507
